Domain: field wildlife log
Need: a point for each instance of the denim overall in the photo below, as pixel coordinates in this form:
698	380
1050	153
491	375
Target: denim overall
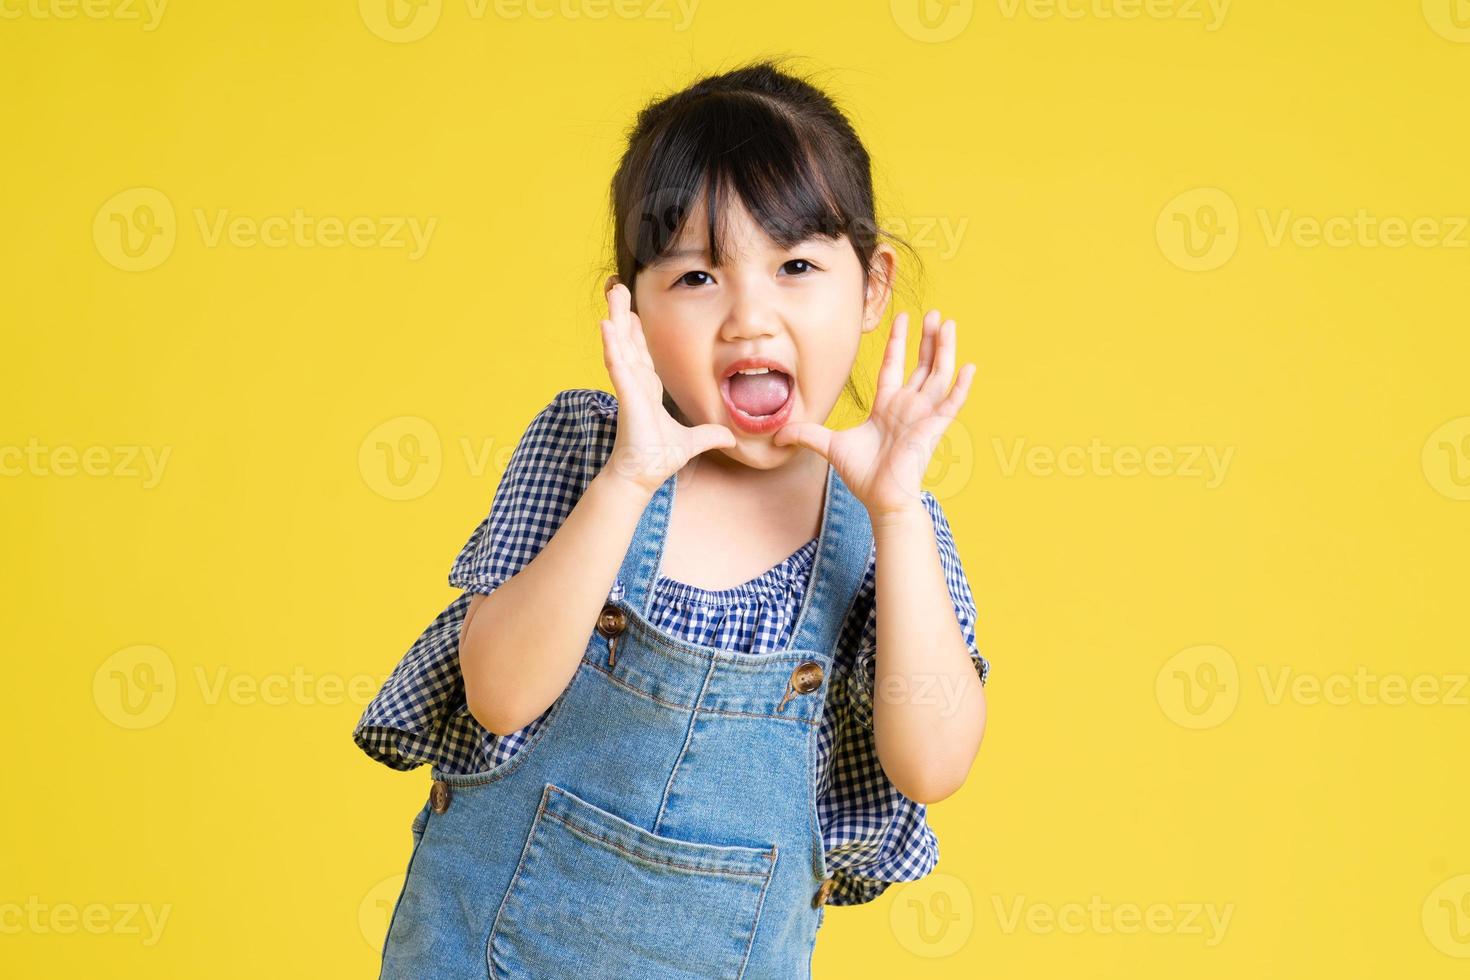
662	821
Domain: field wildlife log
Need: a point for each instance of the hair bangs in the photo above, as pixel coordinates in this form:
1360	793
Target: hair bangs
738	146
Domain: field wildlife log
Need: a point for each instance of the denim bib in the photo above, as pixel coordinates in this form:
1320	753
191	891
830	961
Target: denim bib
662	822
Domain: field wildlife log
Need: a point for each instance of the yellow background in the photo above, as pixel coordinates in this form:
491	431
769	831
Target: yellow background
1064	155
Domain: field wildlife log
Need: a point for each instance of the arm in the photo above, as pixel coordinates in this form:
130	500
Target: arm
928	702
520	644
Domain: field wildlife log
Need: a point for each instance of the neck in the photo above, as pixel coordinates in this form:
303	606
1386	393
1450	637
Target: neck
792	479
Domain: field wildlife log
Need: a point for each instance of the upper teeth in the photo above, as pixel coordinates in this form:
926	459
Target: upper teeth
759	370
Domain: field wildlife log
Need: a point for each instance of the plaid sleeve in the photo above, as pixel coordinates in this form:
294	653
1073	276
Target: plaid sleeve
419	714
862	678
546	476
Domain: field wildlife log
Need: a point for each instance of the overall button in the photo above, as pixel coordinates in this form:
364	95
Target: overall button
807	677
439	796
612	621
823	892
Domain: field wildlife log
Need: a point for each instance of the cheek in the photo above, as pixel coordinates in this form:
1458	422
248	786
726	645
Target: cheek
678	363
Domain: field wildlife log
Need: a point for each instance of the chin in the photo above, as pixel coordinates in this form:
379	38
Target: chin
759	452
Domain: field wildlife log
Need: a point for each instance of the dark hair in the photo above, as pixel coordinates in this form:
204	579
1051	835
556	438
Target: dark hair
776	141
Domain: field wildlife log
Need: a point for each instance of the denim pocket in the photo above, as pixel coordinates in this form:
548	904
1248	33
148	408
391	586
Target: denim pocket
596	896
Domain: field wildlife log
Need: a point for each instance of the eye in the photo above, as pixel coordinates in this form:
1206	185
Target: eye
684	279
806	265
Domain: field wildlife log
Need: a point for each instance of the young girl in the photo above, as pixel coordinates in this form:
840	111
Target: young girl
646	762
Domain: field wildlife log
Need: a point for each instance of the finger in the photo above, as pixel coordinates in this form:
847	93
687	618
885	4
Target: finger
811	435
926	351
950	407
640	342
612	359
939	378
618	301
890	374
712	436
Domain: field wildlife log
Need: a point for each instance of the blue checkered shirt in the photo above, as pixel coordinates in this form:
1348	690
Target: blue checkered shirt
873	834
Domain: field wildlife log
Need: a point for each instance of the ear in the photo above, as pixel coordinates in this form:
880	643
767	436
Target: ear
880	284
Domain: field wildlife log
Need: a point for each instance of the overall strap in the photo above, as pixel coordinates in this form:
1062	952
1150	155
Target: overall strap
641	563
843	549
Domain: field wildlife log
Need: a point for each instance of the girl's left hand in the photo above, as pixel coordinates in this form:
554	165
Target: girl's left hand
883	460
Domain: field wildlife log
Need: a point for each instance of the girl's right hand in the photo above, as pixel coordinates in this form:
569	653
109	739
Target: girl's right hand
650	444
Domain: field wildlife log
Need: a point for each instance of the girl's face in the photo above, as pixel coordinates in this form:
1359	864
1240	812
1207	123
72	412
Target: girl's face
805	308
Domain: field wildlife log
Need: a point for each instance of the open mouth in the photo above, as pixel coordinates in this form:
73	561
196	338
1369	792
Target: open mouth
759	394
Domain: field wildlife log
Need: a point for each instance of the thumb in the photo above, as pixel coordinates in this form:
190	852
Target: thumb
812	435
712	436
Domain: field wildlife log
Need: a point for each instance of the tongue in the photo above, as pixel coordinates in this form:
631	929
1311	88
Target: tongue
759	394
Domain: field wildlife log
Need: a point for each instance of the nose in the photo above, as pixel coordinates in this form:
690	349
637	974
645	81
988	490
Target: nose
751	315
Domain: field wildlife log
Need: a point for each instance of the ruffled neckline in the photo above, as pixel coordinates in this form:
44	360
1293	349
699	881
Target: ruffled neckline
780	579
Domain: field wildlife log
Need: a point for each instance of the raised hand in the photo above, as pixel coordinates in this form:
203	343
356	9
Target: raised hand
883	460
650	443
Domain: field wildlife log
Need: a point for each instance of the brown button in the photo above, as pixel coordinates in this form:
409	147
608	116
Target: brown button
825	890
612	621
807	677
439	796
